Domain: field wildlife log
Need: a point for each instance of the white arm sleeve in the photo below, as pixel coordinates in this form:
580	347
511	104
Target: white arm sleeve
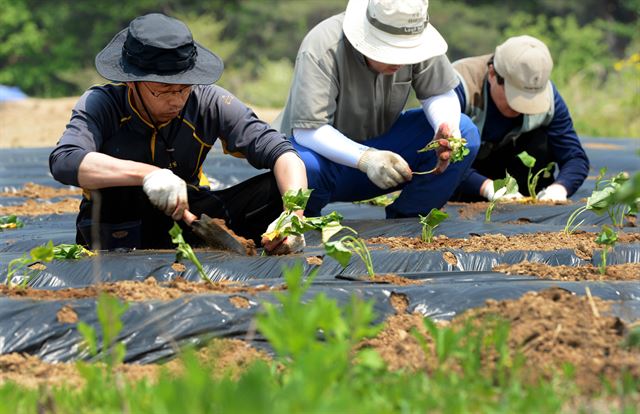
444	108
331	144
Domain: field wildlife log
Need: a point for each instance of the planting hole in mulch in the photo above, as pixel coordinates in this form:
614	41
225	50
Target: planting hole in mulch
384	279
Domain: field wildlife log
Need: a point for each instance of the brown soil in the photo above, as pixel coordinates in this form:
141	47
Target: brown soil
32	190
469	211
544	327
35	208
581	242
138	291
249	245
223	356
626	271
384	279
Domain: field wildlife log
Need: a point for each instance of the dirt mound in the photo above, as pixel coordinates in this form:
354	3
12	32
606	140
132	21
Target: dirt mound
544	328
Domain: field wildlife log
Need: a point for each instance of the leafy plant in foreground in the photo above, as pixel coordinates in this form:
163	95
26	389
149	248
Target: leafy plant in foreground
430	222
607	238
184	250
458	147
502	187
109	311
10	222
532	179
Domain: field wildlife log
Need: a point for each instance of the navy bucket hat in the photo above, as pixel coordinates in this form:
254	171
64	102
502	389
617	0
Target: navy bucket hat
158	48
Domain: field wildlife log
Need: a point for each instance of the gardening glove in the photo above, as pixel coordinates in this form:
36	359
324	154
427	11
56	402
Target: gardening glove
555	192
385	169
279	246
489	193
166	191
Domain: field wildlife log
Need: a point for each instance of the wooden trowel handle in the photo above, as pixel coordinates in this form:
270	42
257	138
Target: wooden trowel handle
189	217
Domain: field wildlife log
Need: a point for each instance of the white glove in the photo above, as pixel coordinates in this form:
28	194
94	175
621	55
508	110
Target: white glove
489	193
167	192
555	192
290	244
385	169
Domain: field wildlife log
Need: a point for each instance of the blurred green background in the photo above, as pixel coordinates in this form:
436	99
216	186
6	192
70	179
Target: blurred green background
47	47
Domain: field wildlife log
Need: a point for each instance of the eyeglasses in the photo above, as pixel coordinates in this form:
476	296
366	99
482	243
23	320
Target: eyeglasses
182	92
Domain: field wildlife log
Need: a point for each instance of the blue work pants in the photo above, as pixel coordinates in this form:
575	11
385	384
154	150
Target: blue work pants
334	182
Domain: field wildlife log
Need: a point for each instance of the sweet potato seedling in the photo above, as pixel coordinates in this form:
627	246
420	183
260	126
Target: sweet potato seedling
505	186
10	222
430	222
607	238
617	198
532	179
184	250
44	253
459	150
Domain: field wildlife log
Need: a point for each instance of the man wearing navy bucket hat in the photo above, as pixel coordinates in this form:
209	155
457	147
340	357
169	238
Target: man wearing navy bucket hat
137	145
353	76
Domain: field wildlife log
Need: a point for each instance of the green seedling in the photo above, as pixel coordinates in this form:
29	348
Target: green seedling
10	222
44	253
343	248
458	147
37	254
502	187
430	222
532	179
607	238
184	250
381	200
109	311
617	197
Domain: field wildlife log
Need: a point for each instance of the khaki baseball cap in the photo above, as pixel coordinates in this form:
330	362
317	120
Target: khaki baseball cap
525	64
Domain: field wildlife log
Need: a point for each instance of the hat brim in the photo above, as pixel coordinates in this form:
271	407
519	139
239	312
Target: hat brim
369	41
109	64
526	102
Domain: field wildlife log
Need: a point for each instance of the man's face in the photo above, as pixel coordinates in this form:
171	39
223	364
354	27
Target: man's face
164	101
497	94
382	68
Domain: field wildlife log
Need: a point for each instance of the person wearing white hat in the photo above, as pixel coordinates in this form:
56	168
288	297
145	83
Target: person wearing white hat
352	79
137	146
516	107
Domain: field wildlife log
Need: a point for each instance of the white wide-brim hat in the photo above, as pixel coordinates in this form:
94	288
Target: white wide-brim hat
394	41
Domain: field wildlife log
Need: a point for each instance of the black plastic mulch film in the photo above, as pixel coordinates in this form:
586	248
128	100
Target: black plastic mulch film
152	328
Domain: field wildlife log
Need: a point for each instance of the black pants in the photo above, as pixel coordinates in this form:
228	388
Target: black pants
129	220
494	162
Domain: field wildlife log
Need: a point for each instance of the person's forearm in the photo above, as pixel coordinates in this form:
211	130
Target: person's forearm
290	172
444	108
331	144
99	170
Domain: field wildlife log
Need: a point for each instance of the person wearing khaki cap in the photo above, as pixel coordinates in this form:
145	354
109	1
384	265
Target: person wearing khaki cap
352	79
137	146
516	107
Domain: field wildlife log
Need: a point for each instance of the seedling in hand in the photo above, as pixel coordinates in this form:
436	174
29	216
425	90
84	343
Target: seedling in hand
507	185
430	222
458	147
607	238
289	223
532	180
184	250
